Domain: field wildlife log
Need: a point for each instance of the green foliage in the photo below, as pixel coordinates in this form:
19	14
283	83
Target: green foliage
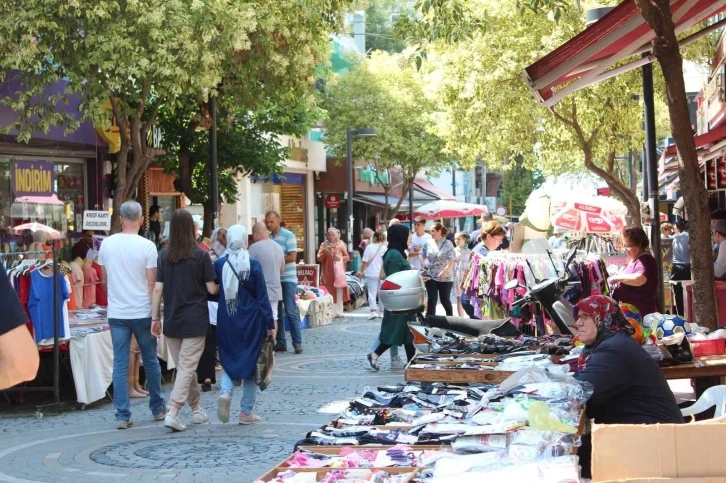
380	27
517	184
386	93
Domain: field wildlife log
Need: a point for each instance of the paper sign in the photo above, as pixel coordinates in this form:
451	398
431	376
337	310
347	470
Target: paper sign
96	220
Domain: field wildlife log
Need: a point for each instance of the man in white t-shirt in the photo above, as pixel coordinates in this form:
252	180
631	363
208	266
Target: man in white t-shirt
418	240
128	274
269	253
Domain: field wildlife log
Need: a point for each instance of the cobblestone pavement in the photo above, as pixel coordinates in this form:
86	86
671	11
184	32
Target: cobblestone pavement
72	446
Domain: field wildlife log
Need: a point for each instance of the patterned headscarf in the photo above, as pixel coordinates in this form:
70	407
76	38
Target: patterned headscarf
608	320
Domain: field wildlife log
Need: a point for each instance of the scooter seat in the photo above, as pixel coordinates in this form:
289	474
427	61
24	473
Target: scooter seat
473	327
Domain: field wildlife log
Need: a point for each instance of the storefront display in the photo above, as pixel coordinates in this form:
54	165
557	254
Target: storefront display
40	194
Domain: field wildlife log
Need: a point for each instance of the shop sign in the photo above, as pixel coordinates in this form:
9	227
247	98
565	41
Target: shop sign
332	202
112	135
96	220
711	183
297	153
33	178
308	275
721	172
368	174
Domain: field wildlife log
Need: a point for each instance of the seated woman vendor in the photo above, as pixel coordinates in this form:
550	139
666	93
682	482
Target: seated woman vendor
629	387
638	284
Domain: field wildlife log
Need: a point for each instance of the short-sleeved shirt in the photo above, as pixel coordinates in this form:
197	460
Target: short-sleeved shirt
270	256
681	253
417	243
373	255
125	258
643	297
437	256
186	313
13	314
288	243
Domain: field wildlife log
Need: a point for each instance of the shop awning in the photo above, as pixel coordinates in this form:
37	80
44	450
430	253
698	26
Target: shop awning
380	200
427	188
588	57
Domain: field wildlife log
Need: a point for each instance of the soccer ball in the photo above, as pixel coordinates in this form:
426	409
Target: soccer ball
669	325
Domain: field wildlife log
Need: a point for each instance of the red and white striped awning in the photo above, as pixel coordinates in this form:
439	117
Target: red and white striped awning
588	57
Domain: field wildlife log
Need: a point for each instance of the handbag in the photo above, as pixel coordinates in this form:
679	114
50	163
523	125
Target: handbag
265	363
266	359
339	272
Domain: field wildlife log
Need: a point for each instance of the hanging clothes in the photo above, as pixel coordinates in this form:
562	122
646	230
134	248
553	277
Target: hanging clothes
91	280
40	304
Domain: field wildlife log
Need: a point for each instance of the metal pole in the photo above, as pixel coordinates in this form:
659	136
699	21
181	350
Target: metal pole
349	201
645	194
214	182
652	162
56	330
410	205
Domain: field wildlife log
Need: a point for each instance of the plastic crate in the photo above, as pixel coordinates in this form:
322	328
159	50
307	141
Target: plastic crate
715	347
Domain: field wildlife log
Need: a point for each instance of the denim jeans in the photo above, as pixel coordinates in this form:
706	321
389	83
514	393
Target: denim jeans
249	392
121	330
288	306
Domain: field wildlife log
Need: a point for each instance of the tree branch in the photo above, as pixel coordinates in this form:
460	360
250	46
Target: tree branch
142	99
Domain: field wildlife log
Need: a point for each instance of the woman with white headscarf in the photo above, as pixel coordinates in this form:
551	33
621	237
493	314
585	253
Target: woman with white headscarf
244	320
333	256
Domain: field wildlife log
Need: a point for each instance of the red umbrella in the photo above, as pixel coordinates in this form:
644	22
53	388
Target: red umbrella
449	209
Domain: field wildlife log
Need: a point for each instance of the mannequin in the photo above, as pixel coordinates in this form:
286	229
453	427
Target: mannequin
530	234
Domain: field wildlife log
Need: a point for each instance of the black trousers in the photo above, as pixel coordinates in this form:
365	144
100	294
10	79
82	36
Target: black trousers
208	361
410	350
680	272
439	290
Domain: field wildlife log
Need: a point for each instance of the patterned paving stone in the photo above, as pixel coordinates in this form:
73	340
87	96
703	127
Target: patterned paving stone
83	445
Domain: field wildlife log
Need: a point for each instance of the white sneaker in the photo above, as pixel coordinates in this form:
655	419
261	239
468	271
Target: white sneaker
374	315
397	363
223	404
380	315
199	416
246	419
173	423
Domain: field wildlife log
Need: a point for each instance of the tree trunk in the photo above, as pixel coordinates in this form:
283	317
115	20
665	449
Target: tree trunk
668	54
404	194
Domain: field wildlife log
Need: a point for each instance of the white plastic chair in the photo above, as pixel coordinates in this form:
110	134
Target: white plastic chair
713	396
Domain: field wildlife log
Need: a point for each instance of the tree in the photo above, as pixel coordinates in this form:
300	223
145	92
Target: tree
380	19
145	54
384	93
657	14
517	184
490	113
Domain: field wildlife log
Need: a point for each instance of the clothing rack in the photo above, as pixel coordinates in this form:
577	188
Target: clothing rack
55	388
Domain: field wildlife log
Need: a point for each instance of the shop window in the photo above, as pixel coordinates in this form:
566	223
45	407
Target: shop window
62	211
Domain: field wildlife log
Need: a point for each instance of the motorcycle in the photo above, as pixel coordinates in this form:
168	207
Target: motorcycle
404	292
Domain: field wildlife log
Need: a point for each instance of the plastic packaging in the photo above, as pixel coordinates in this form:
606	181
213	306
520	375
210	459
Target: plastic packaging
540	417
534	445
481	443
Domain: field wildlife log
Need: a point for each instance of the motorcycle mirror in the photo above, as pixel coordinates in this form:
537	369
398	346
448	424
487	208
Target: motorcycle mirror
512	284
570	256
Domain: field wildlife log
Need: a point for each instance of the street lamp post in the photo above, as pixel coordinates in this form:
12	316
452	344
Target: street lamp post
350	133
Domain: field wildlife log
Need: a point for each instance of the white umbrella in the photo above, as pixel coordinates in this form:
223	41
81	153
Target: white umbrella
34	226
449	209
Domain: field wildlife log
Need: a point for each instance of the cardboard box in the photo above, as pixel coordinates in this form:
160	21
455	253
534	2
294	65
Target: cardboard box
684	453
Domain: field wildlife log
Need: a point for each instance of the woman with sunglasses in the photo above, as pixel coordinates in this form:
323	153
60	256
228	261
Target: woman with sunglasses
439	258
638	283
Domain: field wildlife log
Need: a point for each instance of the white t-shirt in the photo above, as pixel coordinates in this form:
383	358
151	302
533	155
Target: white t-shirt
417	243
373	255
125	259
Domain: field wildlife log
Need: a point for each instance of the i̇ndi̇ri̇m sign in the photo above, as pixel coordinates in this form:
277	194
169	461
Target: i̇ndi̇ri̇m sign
32	178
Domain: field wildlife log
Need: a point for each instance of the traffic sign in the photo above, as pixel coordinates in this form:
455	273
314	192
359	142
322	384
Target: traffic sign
501	211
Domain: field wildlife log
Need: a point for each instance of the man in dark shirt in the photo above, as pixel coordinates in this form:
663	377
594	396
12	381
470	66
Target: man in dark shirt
18	352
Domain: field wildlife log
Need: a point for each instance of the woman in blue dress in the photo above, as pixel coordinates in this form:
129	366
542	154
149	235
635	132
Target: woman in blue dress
244	320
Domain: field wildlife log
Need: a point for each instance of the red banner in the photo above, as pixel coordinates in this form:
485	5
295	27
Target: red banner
308	275
711	183
721	172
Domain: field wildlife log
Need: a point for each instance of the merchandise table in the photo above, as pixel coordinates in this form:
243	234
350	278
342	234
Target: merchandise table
706	366
318	310
91	355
